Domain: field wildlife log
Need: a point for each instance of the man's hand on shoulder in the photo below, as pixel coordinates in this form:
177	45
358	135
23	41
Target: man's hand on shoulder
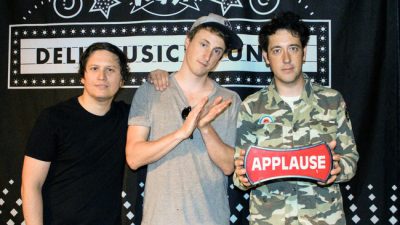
159	78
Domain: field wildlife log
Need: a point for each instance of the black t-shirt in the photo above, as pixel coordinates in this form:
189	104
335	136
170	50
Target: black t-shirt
87	155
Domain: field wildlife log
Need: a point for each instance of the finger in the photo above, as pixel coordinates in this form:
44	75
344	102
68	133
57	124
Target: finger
239	162
162	79
244	181
241	171
165	81
156	83
217	100
331	179
336	157
194	114
336	170
202	103
332	145
217	109
222	106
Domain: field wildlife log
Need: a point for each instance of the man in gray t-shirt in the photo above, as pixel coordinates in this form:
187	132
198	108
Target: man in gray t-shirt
185	133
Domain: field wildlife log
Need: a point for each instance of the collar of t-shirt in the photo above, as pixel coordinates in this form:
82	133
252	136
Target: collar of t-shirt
290	100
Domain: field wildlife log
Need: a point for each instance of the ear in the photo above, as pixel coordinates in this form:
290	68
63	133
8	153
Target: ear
304	54
187	42
121	83
265	56
83	80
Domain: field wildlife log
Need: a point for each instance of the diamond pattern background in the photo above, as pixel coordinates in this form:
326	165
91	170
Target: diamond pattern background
356	204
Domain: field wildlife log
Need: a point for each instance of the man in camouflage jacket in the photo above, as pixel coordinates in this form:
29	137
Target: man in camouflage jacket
299	113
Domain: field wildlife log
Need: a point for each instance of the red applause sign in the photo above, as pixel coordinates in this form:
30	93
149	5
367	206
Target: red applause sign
310	162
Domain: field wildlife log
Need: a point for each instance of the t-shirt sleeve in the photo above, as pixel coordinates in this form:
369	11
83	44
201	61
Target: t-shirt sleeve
139	114
236	101
42	141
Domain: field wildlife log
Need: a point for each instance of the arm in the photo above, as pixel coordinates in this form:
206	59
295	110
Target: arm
220	153
159	78
244	139
139	151
345	145
34	174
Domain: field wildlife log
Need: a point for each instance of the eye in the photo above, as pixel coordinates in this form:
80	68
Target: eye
294	49
203	44
93	68
276	51
218	51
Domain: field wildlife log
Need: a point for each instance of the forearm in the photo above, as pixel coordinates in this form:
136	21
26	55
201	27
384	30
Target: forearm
346	145
140	153
32	205
220	153
348	163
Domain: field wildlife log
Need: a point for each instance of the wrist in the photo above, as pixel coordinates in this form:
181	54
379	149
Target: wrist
205	129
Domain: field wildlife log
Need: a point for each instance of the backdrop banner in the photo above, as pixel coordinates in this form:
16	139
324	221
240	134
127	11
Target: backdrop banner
353	48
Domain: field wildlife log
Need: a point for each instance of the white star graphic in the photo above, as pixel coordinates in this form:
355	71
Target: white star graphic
104	6
226	4
190	4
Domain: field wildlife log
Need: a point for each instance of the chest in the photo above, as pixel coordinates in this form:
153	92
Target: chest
281	126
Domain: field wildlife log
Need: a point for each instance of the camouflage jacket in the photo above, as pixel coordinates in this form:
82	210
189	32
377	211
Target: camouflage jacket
319	115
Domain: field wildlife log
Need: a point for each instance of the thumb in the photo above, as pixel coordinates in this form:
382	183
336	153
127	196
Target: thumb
332	145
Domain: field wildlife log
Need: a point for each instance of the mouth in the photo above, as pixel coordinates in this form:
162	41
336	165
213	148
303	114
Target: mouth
101	86
203	63
288	69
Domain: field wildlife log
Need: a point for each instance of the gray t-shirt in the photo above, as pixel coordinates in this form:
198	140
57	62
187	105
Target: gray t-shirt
185	186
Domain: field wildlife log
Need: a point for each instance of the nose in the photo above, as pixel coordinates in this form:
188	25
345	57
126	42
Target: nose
208	55
102	75
286	57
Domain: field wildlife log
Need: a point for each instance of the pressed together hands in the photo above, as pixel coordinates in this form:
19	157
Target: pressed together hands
201	117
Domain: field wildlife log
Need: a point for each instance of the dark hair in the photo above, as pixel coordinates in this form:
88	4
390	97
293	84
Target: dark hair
212	29
287	21
123	61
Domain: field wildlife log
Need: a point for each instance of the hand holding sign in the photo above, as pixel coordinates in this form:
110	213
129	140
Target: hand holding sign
240	171
310	162
336	166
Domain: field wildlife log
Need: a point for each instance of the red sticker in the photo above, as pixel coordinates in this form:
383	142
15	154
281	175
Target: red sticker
310	162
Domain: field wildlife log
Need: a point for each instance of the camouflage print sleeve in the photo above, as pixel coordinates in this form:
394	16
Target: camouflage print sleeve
345	144
244	136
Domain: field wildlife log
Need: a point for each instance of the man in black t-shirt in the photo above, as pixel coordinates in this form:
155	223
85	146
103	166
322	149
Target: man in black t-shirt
74	160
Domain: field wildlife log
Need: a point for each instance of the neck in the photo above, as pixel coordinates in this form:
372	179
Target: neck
292	89
191	81
194	87
95	106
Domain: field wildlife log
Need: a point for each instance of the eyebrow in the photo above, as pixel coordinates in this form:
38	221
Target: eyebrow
218	47
108	65
291	45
